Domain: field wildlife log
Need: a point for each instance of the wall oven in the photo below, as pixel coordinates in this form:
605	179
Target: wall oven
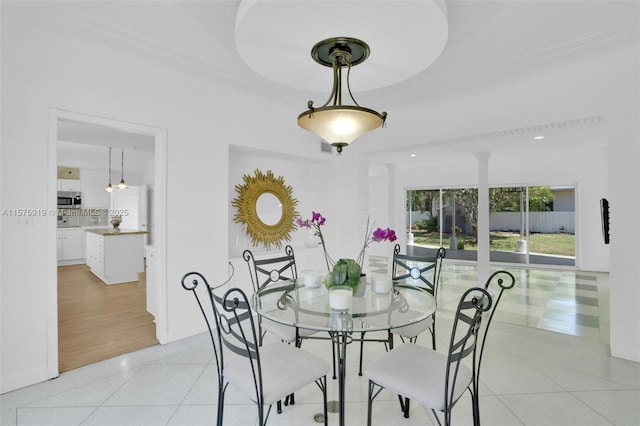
69	200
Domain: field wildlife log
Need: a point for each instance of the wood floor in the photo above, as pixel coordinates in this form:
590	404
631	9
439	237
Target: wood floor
97	321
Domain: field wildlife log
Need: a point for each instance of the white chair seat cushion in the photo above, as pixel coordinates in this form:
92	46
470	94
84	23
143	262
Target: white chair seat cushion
285	369
413	330
286	333
417	373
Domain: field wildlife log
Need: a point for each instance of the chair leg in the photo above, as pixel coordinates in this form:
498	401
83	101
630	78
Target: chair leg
279	407
333	358
220	414
290	399
361	352
433	339
370	403
324	401
404	406
475	405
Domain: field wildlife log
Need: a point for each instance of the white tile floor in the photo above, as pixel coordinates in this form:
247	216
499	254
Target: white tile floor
530	375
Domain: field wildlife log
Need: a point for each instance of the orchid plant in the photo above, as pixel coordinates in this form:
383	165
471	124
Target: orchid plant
315	223
345	270
378	235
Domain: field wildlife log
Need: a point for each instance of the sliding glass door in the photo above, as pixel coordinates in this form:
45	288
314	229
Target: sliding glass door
527	225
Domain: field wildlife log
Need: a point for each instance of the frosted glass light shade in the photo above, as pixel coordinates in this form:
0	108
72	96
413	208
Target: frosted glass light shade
340	125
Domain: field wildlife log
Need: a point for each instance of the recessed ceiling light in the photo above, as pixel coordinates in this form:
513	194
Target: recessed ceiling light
413	155
538	137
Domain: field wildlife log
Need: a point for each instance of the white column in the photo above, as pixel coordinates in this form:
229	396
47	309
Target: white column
483	217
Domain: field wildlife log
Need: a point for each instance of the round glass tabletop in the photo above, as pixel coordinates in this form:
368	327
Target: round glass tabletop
308	307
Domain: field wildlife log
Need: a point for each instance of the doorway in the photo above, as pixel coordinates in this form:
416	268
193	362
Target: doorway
155	277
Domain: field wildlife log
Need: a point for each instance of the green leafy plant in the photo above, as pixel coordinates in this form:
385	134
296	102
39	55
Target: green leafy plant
345	272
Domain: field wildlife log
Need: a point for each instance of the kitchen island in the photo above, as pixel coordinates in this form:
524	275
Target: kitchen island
115	256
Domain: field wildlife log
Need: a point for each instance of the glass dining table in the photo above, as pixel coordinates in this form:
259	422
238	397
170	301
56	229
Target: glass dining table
291	303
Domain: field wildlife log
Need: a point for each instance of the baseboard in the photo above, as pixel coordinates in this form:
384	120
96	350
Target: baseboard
11	383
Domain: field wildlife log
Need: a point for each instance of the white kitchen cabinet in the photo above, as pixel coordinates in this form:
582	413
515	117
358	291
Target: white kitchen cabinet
115	257
94	247
70	245
69	185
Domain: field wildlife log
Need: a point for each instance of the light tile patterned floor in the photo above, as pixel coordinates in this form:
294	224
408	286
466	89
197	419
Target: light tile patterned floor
546	363
560	300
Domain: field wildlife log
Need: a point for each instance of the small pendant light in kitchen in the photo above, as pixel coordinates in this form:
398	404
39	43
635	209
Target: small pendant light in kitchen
122	185
109	188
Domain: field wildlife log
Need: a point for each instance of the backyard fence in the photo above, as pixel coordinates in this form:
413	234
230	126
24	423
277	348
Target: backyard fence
542	222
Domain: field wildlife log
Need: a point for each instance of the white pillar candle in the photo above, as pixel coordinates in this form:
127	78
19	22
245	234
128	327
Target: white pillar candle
381	284
340	298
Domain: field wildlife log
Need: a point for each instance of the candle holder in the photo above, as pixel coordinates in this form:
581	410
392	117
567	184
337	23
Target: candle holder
340	297
381	284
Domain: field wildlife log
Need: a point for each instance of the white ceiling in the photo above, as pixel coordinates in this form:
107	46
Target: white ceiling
488	43
87	145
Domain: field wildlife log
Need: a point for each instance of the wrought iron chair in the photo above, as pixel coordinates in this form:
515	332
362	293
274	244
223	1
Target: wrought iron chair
438	380
268	271
265	374
423	271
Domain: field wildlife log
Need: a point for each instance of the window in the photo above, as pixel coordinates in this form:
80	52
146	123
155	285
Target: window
528	225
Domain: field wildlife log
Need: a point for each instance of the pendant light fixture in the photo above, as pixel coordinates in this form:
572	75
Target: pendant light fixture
122	185
340	124
109	188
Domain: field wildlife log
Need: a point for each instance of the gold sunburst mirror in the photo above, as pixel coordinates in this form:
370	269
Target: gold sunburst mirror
266	207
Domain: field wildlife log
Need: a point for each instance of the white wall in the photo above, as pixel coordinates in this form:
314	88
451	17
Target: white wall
69	74
624	201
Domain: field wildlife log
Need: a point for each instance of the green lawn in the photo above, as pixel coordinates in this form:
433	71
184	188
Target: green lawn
558	244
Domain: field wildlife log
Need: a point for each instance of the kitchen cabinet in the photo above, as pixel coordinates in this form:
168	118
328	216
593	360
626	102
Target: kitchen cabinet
70	246
94	247
115	257
69	185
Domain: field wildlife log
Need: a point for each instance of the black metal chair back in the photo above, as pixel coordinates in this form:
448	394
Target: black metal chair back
464	337
496	285
271	270
190	281
424	269
469	335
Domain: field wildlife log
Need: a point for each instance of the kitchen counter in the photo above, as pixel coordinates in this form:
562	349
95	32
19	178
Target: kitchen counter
108	232
115	257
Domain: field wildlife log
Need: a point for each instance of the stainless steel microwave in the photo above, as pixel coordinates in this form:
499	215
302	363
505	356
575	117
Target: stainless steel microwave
69	200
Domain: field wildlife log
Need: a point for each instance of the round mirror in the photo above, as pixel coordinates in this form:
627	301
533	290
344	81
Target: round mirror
269	209
266	207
